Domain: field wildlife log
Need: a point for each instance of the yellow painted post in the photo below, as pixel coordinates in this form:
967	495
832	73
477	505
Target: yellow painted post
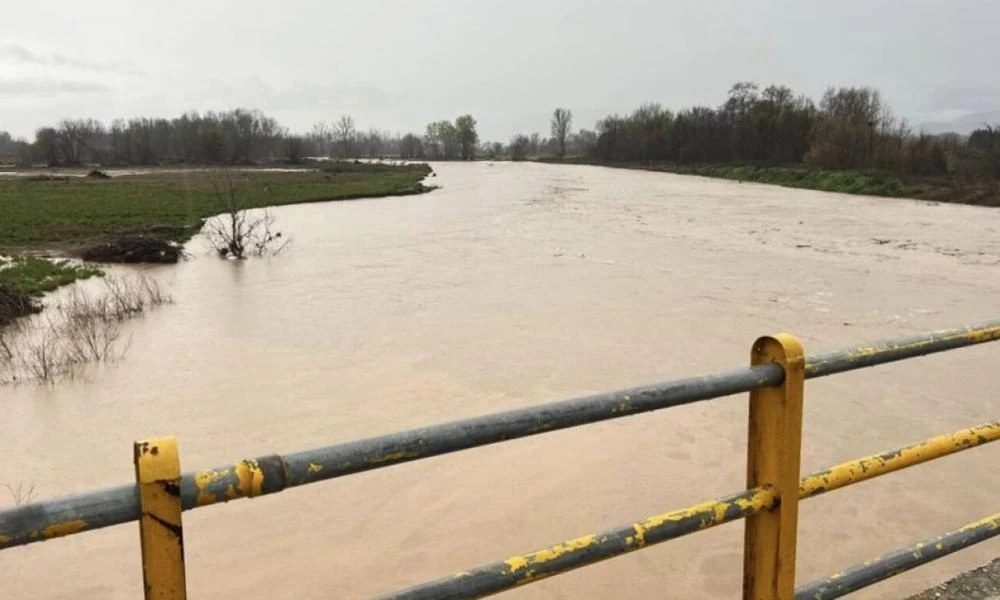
773	453
158	473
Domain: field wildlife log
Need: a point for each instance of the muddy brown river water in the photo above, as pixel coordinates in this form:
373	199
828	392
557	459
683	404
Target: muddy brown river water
512	285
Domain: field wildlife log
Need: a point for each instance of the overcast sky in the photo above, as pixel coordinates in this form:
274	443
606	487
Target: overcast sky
398	64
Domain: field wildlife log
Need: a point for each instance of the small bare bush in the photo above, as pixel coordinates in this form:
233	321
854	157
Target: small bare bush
94	340
83	328
45	358
6	349
237	233
22	493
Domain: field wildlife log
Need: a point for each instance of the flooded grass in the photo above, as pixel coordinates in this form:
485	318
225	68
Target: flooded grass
34	276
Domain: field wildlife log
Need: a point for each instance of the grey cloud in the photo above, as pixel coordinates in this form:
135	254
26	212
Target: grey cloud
964	124
48	87
978	98
23	55
311	95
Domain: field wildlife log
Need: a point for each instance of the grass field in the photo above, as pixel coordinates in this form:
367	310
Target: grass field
68	214
847	181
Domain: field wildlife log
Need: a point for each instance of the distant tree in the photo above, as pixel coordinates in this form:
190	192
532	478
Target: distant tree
465	131
982	154
561	124
373	143
46	146
75	139
13	149
520	145
534	143
410	146
441	140
294	148
322	138
843	135
346	133
583	142
6	143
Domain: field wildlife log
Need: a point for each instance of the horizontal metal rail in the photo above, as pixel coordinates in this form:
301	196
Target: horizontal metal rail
869	355
516	570
869	467
270	474
588	549
899	561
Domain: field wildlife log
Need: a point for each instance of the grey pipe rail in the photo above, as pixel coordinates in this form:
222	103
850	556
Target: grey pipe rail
269	474
898	561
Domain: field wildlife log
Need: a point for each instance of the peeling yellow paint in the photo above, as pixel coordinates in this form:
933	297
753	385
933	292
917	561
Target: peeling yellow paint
66	528
872	466
5	538
518	563
203	479
314	468
250	478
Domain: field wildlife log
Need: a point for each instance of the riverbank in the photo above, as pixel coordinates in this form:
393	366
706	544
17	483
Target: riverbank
69	214
65	214
23	279
866	183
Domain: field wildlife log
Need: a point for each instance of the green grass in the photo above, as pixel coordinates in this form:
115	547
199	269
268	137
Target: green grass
34	276
847	182
69	214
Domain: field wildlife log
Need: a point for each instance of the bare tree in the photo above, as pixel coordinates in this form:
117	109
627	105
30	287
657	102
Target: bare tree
533	143
519	147
562	122
236	232
76	138
322	136
346	134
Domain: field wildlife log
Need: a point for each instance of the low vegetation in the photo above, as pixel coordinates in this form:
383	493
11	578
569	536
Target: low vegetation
237	233
34	276
848	182
83	328
24	279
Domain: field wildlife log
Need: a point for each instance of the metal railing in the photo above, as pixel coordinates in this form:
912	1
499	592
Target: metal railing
769	504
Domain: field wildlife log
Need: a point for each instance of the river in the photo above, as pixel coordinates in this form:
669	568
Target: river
516	284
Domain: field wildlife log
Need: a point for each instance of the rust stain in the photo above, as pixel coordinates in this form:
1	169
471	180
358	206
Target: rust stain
392	457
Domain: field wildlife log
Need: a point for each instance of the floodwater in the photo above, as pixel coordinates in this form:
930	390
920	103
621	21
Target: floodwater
517	284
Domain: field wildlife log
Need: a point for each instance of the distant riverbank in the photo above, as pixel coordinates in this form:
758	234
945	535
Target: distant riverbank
867	183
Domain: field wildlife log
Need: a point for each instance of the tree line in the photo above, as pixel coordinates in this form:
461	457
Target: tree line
850	128
240	136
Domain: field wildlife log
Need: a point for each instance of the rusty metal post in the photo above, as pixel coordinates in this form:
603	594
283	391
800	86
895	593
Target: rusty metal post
773	453
158	475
